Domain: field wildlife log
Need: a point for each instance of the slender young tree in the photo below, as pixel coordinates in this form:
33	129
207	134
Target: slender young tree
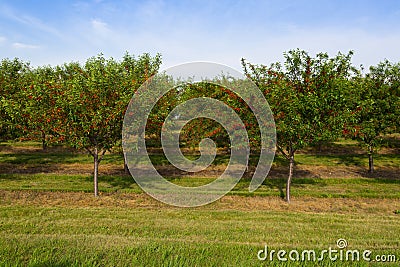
307	97
96	98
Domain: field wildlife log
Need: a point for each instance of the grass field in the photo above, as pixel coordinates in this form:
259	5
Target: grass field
48	216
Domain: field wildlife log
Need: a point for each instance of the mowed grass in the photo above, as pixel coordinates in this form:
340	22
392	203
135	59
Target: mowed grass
301	187
52	218
165	236
50	158
66	183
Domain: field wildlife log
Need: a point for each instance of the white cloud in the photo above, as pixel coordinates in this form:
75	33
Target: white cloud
28	20
100	27
24	46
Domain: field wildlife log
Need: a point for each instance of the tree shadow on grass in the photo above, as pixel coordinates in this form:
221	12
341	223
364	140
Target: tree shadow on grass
387	175
117	181
277	178
28	169
41	158
276	183
350	160
32	161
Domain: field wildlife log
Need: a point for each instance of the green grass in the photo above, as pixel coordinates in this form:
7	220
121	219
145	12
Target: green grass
42	236
12	143
49	158
56	158
66	183
326	187
37	228
301	187
392	160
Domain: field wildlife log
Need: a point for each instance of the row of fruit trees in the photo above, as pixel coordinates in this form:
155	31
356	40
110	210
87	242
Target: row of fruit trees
314	99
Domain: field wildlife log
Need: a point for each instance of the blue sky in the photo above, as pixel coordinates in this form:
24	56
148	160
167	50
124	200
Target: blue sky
54	32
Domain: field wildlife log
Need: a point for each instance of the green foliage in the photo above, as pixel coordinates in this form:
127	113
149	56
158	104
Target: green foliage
13	79
201	128
41	112
160	111
308	97
80	105
97	95
93	104
376	105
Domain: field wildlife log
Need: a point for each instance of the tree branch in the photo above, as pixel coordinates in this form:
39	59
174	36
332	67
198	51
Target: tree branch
283	152
102	155
90	151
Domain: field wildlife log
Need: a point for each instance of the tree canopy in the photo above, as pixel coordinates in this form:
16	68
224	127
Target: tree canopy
308	97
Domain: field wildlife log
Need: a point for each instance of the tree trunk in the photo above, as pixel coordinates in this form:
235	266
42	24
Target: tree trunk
370	160
289	180
44	145
126	169
96	172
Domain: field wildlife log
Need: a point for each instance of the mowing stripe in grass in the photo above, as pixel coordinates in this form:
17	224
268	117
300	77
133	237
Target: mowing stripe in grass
315	187
177	237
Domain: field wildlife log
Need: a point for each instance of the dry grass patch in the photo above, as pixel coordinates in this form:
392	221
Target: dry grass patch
130	200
